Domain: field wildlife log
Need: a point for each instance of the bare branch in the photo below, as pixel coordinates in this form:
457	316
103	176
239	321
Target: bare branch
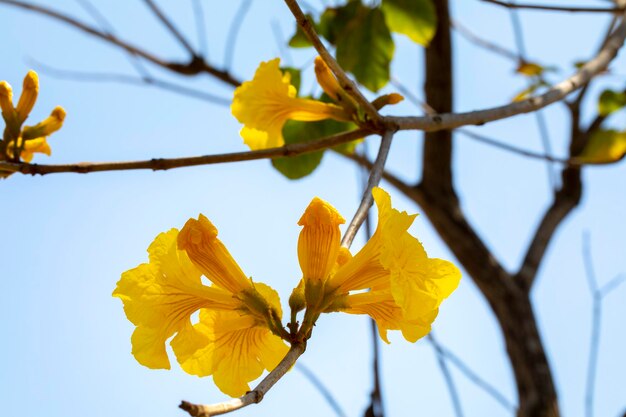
346	83
194	67
253	397
233	32
572	9
558	92
484	43
164	164
447	376
145	80
471	375
198	13
367	199
319	385
170	26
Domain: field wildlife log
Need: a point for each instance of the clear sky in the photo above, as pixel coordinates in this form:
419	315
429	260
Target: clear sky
65	348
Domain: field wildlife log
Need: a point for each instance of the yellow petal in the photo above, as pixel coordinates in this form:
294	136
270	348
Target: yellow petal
326	79
6	99
267	101
38	145
319	241
199	239
48	126
28	98
238	352
159	297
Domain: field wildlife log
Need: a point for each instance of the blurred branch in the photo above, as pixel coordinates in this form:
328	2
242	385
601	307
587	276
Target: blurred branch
319	385
164	164
196	66
572	9
374	179
447	376
484	43
252	397
143	80
233	32
198	13
170	26
597	295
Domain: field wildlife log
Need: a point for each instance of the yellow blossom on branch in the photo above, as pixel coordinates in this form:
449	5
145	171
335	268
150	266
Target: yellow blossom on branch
236	315
404	286
264	104
19	141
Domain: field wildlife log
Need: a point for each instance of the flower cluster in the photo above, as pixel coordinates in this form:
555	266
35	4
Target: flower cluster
21	142
239	332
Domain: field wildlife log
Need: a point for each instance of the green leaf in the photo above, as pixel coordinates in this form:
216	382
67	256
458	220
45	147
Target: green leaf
366	48
611	101
413	18
334	20
299	39
604	147
299	166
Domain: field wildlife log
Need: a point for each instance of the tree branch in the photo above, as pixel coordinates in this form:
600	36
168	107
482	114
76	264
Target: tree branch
164	164
558	92
319	385
196	66
376	174
572	9
170	26
253	397
346	83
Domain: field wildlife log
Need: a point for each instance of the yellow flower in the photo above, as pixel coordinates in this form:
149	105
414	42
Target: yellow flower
264	104
234	338
27	140
404	286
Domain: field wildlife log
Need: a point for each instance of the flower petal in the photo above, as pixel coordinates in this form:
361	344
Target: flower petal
319	241
199	239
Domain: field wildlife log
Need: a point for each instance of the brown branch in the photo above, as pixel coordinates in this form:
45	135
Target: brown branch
253	397
367	200
164	164
346	83
484	43
556	93
194	67
170	26
447	376
572	9
323	390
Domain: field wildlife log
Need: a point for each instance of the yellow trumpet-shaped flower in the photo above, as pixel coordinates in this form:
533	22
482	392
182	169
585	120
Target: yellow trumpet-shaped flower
265	103
404	286
25	141
234	338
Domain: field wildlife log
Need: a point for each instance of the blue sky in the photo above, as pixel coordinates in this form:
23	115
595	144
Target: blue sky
68	237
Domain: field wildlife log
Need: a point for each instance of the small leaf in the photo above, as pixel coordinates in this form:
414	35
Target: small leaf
368	49
299	166
611	101
604	147
530	69
334	20
414	18
299	39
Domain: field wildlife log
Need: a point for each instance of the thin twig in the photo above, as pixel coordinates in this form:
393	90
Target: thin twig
597	294
367	199
473	376
512	5
198	12
164	164
447	376
233	32
144	80
346	83
253	397
280	42
518	35
375	408
170	26
484	43
194	67
319	385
